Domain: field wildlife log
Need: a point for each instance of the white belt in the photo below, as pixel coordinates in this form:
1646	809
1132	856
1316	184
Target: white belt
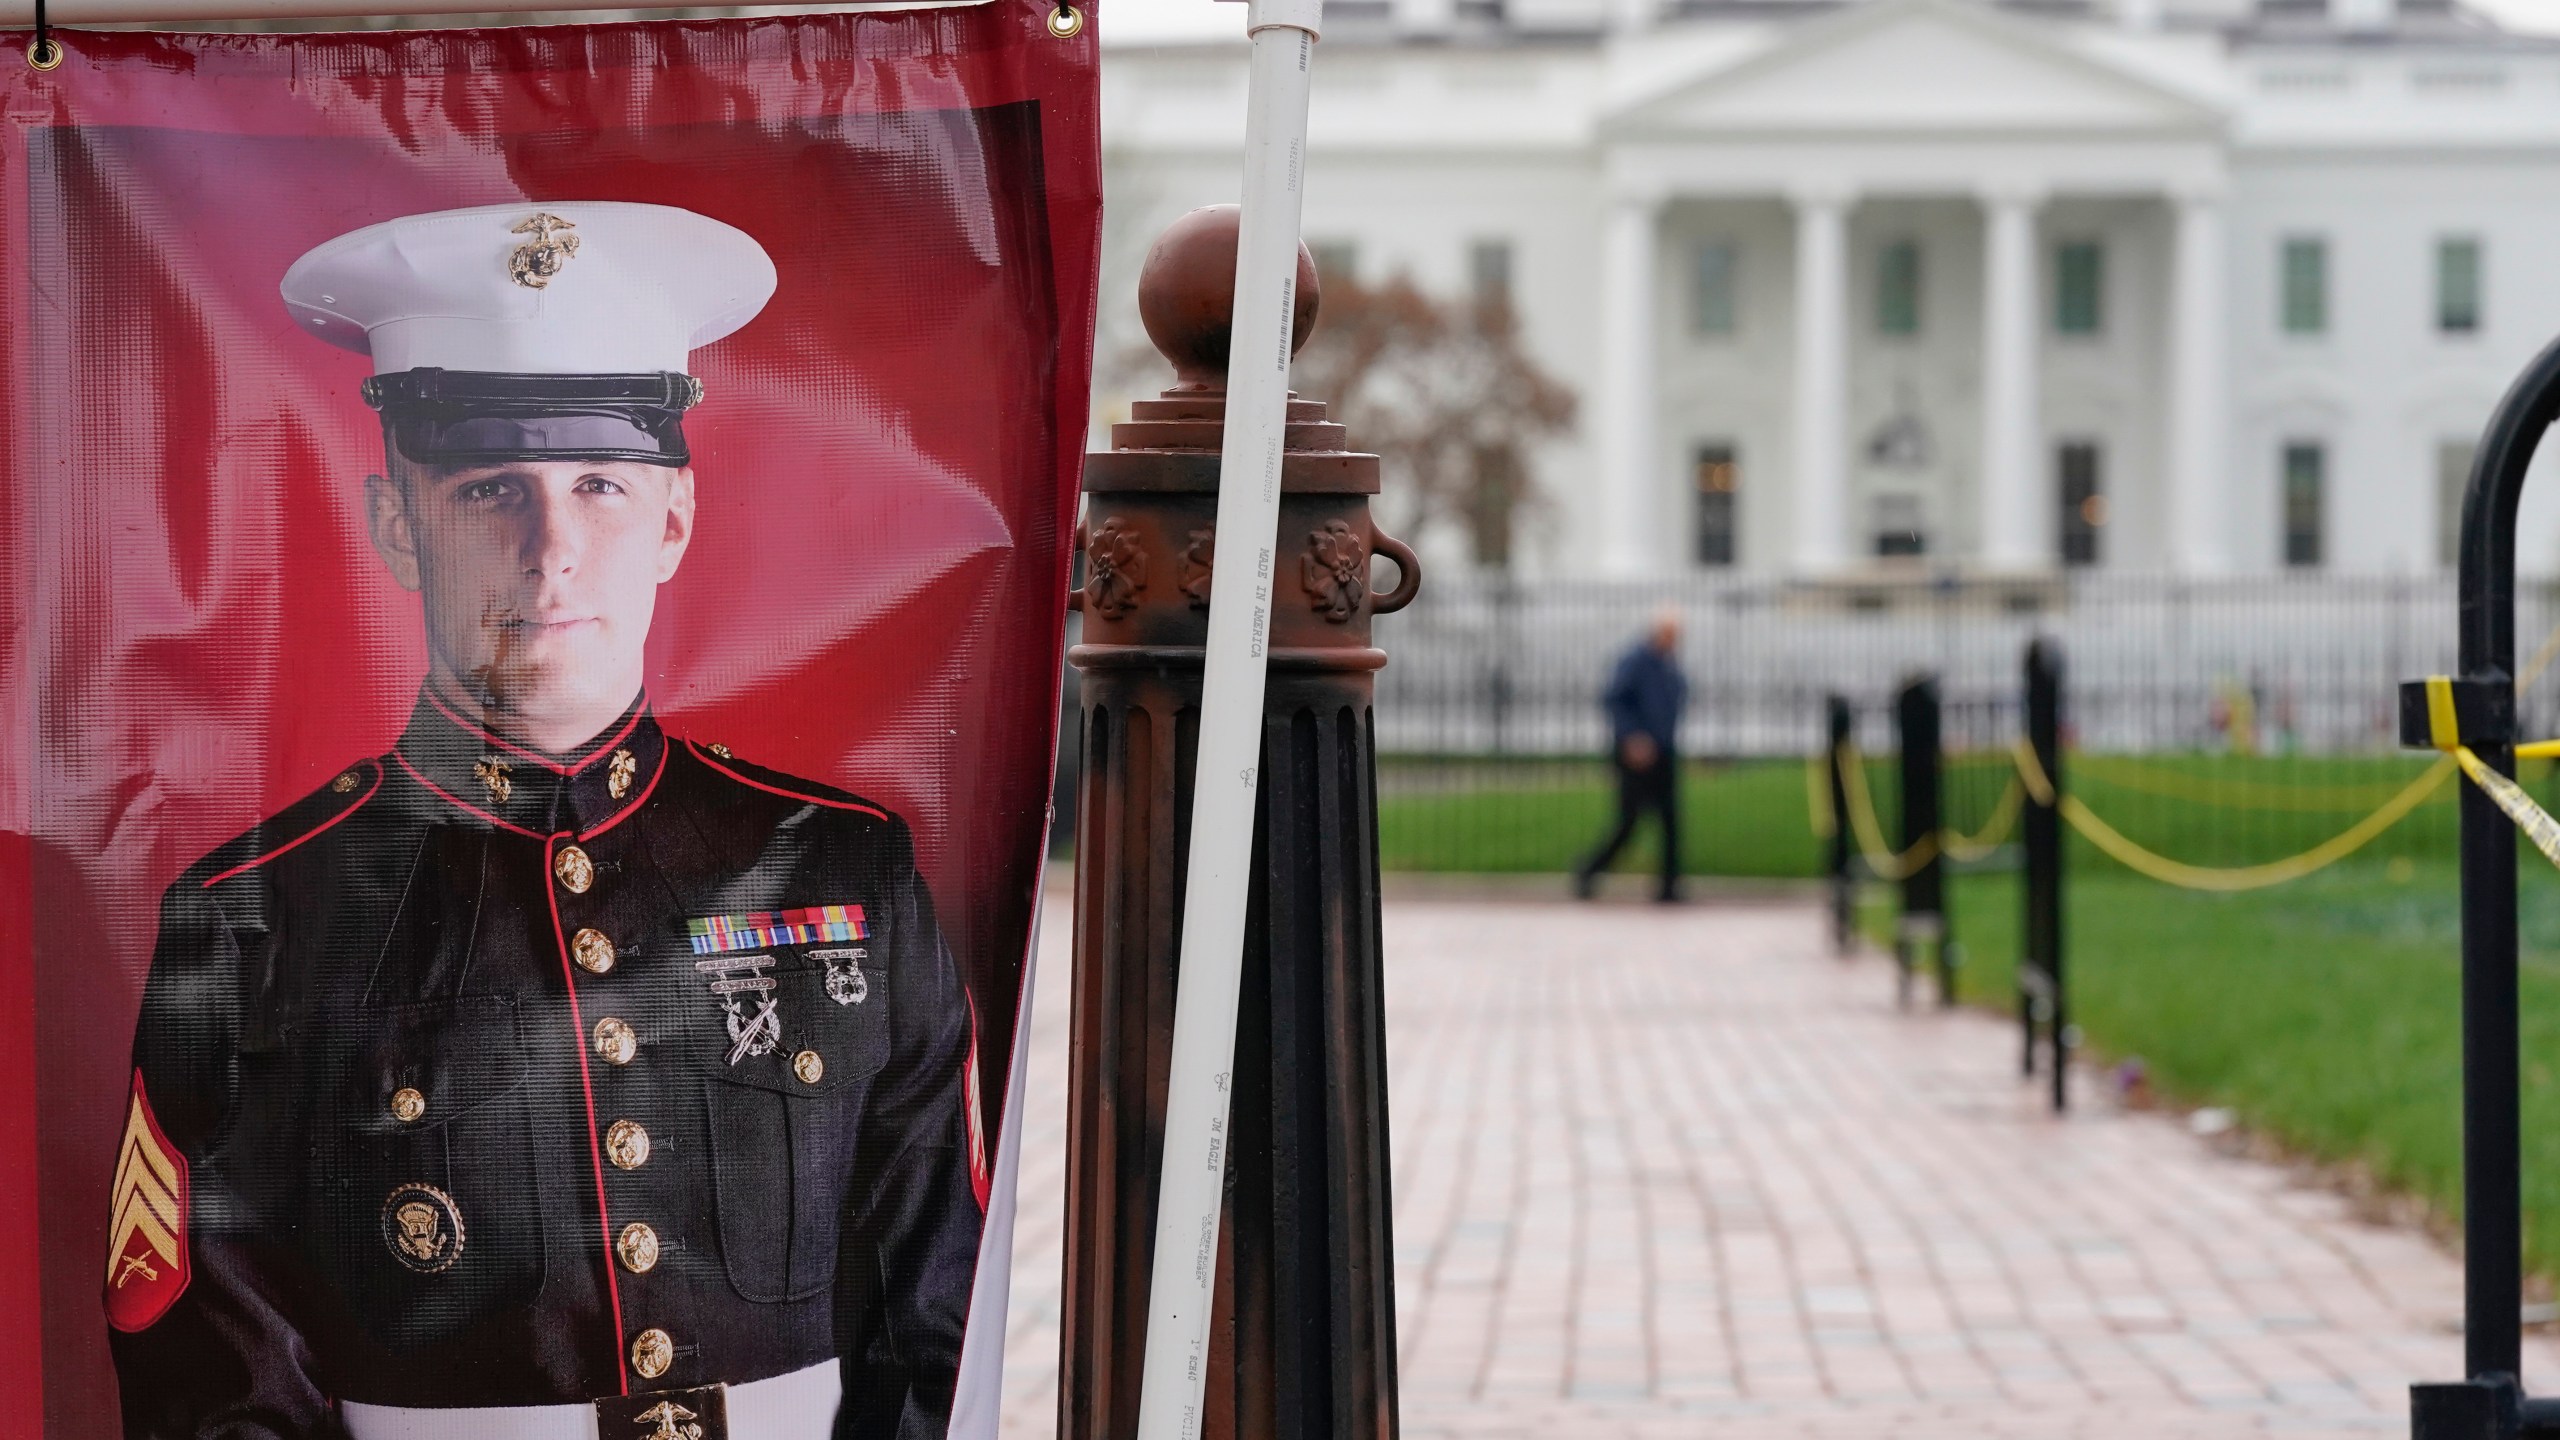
798	1406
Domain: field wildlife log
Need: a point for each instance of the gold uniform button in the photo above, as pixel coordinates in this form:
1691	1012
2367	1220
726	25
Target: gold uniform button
615	1041
407	1105
809	1066
344	783
626	1145
593	952
720	750
652	1352
638	1247
575	870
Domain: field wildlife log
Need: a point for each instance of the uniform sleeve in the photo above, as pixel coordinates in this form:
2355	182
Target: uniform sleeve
913	1223
200	1325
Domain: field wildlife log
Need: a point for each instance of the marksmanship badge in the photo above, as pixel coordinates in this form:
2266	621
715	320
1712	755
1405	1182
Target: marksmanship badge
423	1228
846	984
750	1033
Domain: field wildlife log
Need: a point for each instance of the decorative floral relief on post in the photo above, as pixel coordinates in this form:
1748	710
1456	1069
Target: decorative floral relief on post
1197	558
1115	569
1335	570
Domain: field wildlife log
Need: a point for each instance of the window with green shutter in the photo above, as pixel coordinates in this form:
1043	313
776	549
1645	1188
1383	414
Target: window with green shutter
2079	285
2306	285
2458	284
2305	465
1898	288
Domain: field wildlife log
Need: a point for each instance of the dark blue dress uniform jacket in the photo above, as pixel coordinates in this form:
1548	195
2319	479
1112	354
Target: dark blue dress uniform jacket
404	929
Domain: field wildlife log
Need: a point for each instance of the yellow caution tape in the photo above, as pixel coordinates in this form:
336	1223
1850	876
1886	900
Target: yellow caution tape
2532	819
2445	729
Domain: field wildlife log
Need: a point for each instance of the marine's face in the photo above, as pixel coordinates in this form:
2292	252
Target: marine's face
537	578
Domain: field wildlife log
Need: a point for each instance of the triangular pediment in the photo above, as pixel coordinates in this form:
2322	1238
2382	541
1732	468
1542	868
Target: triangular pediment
1903	67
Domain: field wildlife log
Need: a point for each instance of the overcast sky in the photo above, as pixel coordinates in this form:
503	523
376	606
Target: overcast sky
1141	21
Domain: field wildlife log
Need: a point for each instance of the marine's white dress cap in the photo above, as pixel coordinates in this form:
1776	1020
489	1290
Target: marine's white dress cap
629	288
561	330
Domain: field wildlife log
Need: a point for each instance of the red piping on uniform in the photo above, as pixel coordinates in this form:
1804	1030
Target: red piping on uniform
454	799
595	1150
641	799
975	1104
700	754
323	825
536	756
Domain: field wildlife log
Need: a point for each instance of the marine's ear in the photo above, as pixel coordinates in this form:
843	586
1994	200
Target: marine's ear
395	534
679	532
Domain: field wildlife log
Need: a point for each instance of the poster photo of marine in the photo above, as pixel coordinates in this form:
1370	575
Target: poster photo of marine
549	1056
540	687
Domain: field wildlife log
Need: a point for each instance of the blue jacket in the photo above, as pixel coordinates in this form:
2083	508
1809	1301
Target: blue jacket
1645	696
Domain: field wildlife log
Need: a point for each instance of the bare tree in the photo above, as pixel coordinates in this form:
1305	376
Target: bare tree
1444	393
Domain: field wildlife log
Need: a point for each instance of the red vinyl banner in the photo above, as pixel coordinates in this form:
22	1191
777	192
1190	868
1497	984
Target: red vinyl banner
535	567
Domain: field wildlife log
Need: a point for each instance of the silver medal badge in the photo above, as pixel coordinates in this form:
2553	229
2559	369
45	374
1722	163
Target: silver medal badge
846	983
757	1032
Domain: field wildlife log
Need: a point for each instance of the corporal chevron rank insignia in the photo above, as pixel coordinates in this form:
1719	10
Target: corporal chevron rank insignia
147	1231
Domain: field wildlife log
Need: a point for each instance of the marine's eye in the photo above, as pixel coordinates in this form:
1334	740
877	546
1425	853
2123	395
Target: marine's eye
481	492
599	485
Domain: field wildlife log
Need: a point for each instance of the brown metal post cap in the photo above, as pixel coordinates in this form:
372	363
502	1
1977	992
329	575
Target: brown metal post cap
1186	296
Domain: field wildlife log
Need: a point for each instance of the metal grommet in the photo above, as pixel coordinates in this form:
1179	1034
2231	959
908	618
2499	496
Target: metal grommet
1066	22
45	52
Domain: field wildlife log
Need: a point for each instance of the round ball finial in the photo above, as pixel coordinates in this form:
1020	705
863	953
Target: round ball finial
1186	295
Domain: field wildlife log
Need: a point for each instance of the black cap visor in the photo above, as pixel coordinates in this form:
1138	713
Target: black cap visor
459	417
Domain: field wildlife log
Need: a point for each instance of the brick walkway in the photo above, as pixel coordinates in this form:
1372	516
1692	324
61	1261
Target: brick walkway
1680	1173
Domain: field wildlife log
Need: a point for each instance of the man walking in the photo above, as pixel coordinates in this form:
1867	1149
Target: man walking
1645	696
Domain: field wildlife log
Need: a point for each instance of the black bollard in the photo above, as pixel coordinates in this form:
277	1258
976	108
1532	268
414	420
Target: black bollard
2478	707
1924	886
2041	997
1844	886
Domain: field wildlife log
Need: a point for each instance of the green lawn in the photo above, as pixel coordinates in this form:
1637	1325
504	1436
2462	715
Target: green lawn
1755	818
2325	1012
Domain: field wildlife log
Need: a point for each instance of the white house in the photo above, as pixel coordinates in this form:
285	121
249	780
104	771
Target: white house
2198	286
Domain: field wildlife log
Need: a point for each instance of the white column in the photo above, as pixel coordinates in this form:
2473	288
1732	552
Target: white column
2016	513
1822	382
1626	414
2199	493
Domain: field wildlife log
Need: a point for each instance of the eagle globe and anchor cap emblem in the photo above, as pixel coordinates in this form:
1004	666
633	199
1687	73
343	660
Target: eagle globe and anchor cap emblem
533	263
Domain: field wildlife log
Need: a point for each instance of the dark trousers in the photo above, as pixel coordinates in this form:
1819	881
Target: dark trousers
1654	790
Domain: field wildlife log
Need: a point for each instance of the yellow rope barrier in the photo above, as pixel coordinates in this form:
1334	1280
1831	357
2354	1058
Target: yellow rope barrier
1964	850
2231	879
1817	796
1888	863
2232	792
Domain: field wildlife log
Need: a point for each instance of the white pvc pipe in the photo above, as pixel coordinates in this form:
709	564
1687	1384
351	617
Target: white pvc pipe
20	13
1181	1291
